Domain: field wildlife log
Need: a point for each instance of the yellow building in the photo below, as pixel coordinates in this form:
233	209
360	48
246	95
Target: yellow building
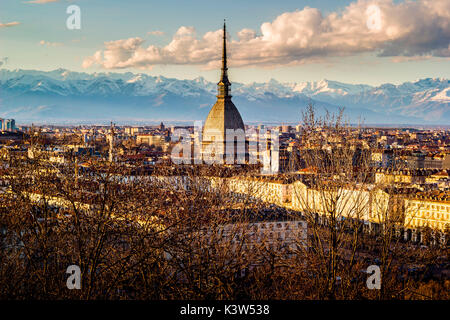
150	139
428	209
274	191
359	202
401	176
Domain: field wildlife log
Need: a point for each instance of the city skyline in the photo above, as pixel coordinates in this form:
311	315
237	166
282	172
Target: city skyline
292	41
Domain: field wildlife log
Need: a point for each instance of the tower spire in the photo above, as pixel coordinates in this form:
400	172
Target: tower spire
224	84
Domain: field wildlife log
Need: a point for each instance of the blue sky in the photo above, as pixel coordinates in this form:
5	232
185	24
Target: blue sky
296	44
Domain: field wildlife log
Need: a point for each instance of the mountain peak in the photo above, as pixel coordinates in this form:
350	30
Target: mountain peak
273	81
424	99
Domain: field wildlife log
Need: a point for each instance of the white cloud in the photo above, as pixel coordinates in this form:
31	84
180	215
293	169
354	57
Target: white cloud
155	33
408	29
4	61
41	1
50	44
246	34
9	24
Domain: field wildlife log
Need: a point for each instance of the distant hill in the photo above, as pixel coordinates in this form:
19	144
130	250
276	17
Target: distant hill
63	95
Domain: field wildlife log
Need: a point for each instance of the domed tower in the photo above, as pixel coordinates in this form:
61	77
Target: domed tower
224	114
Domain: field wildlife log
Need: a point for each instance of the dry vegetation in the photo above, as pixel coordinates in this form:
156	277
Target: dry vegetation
135	237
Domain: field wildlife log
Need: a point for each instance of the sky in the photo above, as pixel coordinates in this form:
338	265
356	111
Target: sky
366	41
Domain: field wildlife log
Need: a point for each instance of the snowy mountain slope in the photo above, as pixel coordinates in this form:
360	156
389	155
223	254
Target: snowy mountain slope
61	94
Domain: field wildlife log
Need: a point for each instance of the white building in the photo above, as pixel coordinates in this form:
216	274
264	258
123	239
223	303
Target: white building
7	124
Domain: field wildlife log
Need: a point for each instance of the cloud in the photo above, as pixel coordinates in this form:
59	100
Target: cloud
9	24
41	1
184	48
409	59
50	44
156	33
4	61
407	29
246	34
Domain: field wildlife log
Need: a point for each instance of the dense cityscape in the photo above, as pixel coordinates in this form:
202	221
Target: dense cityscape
320	207
382	192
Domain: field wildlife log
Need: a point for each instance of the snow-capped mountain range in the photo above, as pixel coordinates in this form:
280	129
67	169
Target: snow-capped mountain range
30	95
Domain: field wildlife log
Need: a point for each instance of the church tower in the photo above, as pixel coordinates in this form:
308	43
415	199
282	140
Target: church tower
224	114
